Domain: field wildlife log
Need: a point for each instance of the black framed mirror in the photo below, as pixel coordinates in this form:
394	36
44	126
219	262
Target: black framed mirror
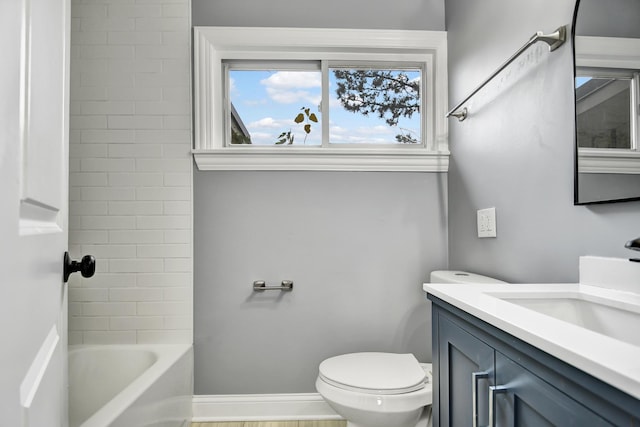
606	43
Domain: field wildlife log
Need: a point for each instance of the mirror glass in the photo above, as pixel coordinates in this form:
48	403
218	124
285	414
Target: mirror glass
607	82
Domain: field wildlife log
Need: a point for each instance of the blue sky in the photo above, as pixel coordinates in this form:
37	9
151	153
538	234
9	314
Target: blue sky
581	80
268	102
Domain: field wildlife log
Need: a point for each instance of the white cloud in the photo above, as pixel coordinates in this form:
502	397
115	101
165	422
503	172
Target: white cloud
339	130
376	130
363	135
293	80
266	130
335	103
293	97
289	87
262	138
268	123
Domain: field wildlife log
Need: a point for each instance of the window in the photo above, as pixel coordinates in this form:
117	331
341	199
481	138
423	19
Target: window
281	104
384	102
276	104
607	108
300	99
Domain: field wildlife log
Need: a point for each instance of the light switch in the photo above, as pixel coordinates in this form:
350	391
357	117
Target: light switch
487	222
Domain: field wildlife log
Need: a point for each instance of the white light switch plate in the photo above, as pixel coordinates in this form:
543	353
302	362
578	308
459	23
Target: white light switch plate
487	222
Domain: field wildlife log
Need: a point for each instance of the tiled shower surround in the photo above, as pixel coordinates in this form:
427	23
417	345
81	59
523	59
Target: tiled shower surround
130	171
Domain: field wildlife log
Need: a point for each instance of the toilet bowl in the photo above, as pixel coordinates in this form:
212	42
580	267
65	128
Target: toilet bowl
384	389
377	389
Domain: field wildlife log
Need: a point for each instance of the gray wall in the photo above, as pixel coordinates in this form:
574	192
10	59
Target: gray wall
358	247
515	151
376	14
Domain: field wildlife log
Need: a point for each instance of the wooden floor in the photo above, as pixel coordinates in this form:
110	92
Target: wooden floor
273	424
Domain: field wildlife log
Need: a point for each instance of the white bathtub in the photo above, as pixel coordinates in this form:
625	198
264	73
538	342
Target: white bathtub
130	385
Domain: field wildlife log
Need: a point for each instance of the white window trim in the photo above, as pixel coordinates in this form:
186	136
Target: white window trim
212	45
607	52
602	160
610	53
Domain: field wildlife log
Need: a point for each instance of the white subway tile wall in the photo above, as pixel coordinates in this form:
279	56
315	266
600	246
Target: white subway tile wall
130	171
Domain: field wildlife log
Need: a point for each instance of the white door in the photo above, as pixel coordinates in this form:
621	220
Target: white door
34	71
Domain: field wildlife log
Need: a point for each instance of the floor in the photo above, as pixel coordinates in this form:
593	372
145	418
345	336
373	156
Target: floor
273	424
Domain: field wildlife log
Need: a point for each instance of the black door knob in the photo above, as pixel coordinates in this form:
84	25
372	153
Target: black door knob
634	245
86	266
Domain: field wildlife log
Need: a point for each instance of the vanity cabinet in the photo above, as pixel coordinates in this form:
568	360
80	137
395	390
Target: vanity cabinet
477	366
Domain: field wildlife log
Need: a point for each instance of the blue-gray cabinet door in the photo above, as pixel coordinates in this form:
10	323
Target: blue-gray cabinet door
524	400
466	370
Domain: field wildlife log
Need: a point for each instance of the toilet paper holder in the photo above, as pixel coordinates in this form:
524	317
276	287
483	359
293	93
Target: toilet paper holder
260	285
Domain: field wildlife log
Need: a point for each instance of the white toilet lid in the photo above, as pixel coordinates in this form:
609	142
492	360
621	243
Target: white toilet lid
381	373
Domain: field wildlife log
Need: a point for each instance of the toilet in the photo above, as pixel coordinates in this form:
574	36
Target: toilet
453	276
377	389
384	389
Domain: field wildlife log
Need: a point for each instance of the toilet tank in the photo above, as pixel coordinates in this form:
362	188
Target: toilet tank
452	276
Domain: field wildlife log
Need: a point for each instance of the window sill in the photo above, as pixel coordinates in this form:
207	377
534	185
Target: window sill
316	159
608	161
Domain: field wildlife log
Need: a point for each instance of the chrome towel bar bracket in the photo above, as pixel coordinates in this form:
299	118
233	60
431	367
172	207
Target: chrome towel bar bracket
554	40
260	285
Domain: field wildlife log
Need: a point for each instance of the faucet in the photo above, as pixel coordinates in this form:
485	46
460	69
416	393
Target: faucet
634	245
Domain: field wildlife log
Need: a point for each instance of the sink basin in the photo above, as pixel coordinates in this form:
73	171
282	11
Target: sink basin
592	325
611	317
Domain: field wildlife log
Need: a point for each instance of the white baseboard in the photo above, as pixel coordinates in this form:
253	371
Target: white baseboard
262	407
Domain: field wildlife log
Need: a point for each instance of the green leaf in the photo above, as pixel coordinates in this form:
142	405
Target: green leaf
313	117
299	118
307	128
280	142
306	111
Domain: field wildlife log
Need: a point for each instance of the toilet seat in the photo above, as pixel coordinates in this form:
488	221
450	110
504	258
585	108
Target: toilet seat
374	373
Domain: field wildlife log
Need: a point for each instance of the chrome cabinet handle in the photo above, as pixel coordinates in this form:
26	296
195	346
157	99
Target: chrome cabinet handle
494	390
475	377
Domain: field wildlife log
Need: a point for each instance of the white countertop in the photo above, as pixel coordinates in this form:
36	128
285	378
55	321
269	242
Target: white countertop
613	361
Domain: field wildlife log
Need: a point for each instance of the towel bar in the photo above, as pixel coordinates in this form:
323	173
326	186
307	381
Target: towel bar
554	40
260	285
